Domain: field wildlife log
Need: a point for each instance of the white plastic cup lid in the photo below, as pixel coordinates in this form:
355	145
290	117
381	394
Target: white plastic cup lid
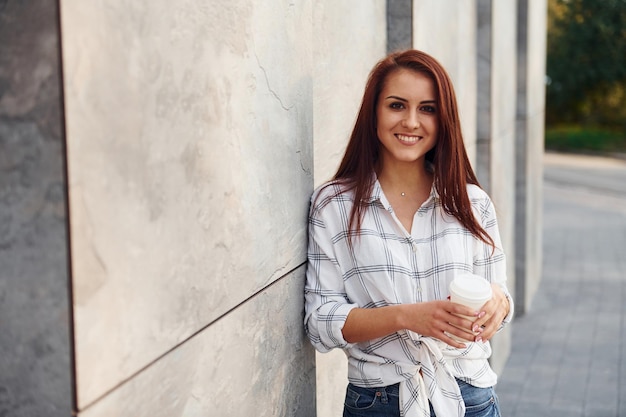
471	287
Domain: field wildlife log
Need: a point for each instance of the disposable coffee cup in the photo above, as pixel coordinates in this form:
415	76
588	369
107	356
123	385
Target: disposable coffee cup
472	291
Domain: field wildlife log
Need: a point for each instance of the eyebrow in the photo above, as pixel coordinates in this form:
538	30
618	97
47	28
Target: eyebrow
405	100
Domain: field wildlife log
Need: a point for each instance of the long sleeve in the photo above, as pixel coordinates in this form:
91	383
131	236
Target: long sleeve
326	303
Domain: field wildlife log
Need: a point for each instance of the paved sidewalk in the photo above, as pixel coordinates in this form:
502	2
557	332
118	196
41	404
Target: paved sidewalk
569	351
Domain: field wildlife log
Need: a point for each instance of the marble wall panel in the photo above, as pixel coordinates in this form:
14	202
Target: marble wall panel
536	56
534	206
483	93
399	25
35	363
503	118
348	43
521	159
243	365
446	29
349	40
536	104
529	171
536	70
502	142
189	131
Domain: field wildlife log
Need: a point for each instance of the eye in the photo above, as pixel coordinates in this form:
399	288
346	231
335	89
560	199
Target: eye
428	109
396	105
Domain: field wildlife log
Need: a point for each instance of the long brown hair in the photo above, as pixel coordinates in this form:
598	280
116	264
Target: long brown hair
452	169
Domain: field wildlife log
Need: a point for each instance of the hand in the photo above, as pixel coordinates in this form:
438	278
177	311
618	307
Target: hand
495	310
436	318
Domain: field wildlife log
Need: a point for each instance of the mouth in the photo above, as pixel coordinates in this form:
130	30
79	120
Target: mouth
408	139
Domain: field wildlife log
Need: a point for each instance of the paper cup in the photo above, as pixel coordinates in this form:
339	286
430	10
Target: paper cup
472	291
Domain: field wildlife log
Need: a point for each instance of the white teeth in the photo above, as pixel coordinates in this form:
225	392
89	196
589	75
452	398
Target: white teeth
408	139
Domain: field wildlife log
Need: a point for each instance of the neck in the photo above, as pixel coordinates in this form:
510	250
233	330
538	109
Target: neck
405	178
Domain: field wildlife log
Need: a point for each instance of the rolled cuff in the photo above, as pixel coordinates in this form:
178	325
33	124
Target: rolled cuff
325	326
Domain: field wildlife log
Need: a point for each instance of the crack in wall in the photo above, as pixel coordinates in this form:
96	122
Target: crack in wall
269	87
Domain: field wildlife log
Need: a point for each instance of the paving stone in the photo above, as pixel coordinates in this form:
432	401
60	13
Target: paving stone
568	354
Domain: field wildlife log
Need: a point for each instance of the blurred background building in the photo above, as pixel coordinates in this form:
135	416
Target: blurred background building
157	160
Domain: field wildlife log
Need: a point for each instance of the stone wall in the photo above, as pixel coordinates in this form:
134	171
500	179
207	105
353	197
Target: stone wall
35	368
498	22
531	70
193	134
190	155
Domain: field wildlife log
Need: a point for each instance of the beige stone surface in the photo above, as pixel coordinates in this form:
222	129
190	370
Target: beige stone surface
349	40
503	119
536	55
348	43
189	131
534	205
502	143
243	365
504	23
536	70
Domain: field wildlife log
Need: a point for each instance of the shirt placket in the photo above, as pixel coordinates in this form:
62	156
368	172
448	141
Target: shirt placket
418	261
413	248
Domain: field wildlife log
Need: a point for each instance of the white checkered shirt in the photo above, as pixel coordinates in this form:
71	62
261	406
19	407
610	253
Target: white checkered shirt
388	266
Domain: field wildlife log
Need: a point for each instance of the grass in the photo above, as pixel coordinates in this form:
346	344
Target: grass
585	139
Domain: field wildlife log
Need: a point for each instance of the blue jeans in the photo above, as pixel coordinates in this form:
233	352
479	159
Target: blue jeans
385	401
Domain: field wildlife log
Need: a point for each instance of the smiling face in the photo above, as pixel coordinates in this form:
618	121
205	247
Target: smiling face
406	118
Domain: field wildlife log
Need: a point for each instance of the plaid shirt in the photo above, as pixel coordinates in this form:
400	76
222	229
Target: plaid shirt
386	266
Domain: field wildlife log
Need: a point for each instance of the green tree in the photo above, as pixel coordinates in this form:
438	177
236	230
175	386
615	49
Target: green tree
586	63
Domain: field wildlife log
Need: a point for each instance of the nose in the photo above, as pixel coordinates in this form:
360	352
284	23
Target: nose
411	121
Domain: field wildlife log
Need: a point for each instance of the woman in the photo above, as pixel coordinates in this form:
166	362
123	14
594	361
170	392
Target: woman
402	217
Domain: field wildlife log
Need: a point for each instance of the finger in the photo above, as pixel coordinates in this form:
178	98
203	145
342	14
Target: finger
483	317
460	309
461	333
450	341
494	311
464	322
487	333
486	312
491	326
